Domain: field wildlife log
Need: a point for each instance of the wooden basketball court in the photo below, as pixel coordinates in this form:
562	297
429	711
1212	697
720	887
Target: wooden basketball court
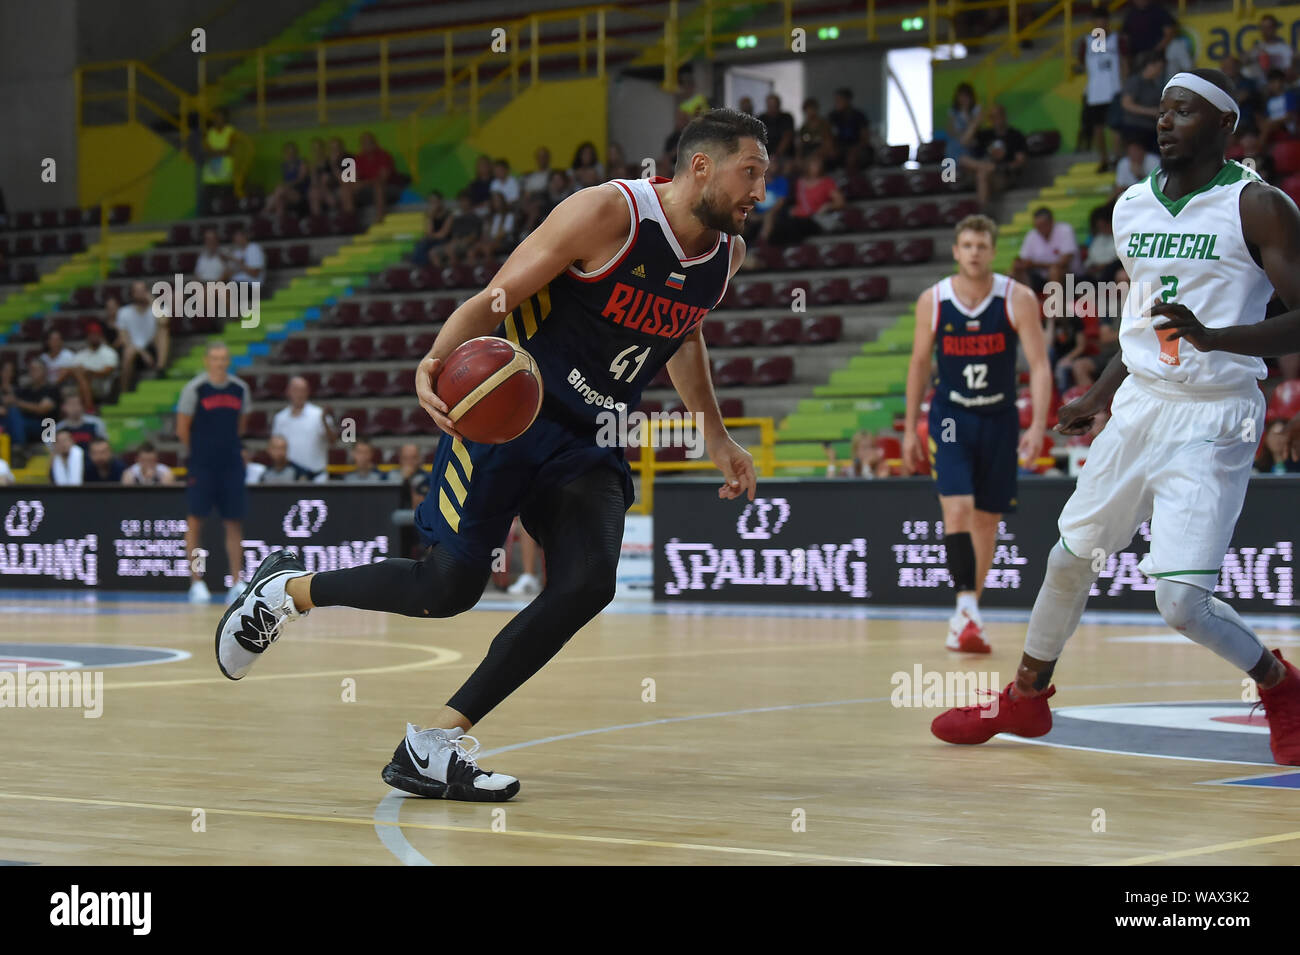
771	739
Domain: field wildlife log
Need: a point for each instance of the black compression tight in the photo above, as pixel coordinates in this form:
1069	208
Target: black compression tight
580	529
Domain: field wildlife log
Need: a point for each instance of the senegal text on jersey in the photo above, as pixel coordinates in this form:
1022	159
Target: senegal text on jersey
1172	245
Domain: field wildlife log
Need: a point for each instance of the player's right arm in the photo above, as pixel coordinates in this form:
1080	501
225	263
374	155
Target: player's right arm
587	227
918	375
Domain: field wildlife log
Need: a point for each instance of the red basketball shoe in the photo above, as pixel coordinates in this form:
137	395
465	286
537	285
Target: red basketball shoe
965	635
1282	709
1021	715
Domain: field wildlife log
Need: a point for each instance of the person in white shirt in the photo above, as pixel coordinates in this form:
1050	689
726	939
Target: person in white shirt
307	428
68	462
245	262
146	335
1270	51
253	470
363	466
537	180
61	365
1047	253
99	362
1134	166
503	182
148	471
211	264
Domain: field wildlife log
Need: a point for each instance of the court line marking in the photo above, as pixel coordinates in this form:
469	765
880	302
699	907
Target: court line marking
439	656
174	655
1207	850
396	826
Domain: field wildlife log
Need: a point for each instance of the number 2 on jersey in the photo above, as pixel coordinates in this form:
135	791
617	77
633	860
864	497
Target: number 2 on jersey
621	362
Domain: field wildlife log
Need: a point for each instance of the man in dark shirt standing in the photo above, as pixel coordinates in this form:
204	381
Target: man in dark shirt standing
33	403
209	420
780	128
852	130
1144	26
997	156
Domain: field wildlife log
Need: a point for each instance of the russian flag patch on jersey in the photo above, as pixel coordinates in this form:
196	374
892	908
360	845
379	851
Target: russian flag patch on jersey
675	280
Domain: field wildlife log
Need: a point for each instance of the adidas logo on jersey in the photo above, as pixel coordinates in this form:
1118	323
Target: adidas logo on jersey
639	271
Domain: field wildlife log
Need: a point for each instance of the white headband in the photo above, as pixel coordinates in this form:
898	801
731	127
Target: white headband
1208	92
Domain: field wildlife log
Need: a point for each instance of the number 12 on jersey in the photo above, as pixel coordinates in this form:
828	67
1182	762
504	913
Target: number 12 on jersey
977	376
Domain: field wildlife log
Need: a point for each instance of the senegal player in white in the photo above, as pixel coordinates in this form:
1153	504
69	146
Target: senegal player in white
1210	236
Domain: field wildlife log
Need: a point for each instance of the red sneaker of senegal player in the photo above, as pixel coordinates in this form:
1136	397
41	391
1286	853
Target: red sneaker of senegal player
965	635
1282	708
1021	715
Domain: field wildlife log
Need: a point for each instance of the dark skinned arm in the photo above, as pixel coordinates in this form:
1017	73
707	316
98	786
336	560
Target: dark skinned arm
1078	415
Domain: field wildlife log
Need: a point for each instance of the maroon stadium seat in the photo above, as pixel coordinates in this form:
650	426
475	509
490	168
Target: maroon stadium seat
732	407
90	216
858	187
914	251
371	384
953	211
881	218
924	182
888	183
921	215
852	219
417	421
288	227
327	348
274	256
185	261
733	371
876	252
315	225
1043	143
826	328
892	155
873	288
24	245
160	263
715	333
24	220
397	278
401	383
47	219
359	347
360	418
1286	157
783	331
440	310
835	255
410	311
182	234
832	291
258	424
391	347
1291	186
84	296
338	456
49	244
457	276
426	279
133	265
298	256
756	294
420	344
347	314
293	351
800	257
261	229
313	379
337	384
378	312
344	223
778	370
933	152
746	331
70	217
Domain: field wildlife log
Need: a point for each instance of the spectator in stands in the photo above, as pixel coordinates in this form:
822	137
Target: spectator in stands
1141	99
868	458
587	176
537	180
101	466
851	131
1272	457
375	170
1135	165
815	195
1177	49
1102	60
363	466
218	175
307	429
1144	27
746	106
1068	345
1048	251
503	183
532	211
466	231
211	264
997	156
61	363
148	471
11	416
245	262
83	427
37	402
1102	260
816	134
780	128
411	474
326	183
1246	91
558	188
146	337
498	231
480	187
1281	106
253	470
67	462
585	157
281	470
339	157
210	415
1270	52
98	362
1250	150
963	121
618	167
437	230
109	321
762	220
290	194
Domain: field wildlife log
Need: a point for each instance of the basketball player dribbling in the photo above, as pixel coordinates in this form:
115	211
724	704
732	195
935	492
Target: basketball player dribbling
611	287
972	322
1212	237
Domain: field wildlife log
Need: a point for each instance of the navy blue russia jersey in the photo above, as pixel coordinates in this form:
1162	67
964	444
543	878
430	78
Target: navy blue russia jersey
975	349
600	337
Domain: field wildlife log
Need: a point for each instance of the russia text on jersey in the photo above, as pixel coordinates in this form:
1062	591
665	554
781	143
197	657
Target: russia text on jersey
991	344
638	310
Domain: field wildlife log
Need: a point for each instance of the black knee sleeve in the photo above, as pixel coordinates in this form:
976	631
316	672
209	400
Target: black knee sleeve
440	585
961	560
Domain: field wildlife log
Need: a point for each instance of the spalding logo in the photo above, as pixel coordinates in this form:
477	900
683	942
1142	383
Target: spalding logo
305	518
23	518
762	507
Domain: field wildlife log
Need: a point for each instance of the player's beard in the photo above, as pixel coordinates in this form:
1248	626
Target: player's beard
715	214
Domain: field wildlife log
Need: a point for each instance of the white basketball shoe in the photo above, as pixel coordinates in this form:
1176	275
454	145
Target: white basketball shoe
254	621
435	763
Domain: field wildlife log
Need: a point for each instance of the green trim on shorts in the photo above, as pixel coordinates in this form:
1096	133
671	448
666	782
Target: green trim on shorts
1179	573
1067	548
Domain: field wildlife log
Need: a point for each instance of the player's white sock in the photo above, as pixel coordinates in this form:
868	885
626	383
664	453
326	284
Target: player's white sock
1059	604
967	602
1198	615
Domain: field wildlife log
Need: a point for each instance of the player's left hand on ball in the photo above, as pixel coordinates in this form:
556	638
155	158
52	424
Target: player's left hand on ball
426	376
1180	320
737	467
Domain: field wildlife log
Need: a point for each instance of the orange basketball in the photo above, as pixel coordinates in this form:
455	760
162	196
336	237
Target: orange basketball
492	389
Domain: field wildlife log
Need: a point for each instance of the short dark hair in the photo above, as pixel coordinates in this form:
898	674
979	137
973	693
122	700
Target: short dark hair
148	448
718	132
1043	211
845	92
